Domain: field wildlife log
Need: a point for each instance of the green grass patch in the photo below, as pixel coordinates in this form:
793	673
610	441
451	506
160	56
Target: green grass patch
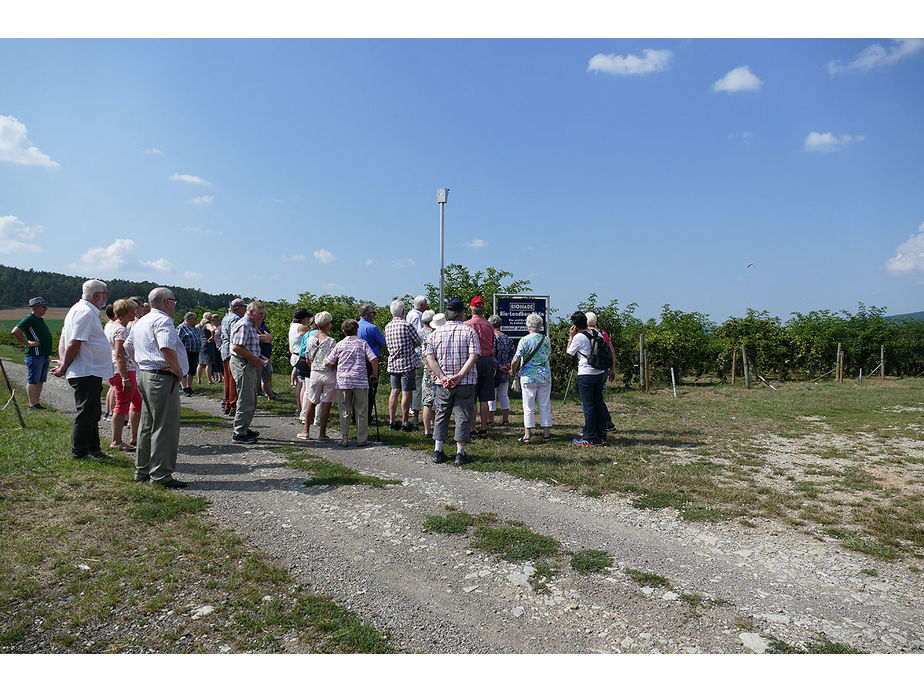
648	579
821	647
194	417
453	523
326	473
85	549
591	561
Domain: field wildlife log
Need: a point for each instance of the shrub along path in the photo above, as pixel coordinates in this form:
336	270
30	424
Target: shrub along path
493	571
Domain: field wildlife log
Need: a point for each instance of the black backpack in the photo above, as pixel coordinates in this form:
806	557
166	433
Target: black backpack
600	356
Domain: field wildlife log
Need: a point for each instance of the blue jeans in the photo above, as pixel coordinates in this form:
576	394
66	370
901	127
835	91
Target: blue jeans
590	388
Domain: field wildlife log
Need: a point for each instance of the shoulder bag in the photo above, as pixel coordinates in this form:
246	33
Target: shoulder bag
515	384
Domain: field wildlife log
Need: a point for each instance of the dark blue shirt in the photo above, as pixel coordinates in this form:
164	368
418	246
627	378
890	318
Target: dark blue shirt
372	335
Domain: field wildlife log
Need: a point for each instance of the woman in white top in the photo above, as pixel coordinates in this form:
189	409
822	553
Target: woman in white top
297	329
322	386
124	381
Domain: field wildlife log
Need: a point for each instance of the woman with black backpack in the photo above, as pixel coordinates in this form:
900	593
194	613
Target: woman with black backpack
594	361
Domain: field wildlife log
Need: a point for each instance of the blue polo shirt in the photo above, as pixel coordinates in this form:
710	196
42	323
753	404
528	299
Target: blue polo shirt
372	335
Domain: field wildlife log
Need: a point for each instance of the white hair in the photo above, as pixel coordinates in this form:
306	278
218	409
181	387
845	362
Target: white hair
323	319
397	307
591	318
254	306
534	322
420	301
158	296
427	317
90	287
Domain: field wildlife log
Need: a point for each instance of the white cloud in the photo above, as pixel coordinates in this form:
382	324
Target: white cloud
743	135
324	256
154	150
16	148
331	285
476	243
739	79
829	142
189	178
875	56
202	200
162	265
293	258
403	262
653	61
108	259
909	256
368	263
14	233
192	275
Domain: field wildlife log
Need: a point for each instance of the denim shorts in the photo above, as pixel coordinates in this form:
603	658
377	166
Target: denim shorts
403	381
37	369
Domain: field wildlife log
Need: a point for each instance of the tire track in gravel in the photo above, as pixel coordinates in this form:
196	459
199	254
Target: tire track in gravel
366	548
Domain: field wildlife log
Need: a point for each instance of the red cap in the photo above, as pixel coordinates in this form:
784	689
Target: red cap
477	302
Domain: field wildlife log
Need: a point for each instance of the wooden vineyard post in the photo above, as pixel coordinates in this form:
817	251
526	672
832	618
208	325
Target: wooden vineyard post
734	364
837	364
642	363
744	365
882	361
12	395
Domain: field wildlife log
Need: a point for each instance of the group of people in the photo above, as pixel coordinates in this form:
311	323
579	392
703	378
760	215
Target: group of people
439	367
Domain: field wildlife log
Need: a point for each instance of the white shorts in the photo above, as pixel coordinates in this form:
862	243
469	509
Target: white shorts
322	387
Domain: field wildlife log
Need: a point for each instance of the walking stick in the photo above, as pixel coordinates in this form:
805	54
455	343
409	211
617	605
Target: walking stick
12	396
567	387
375	411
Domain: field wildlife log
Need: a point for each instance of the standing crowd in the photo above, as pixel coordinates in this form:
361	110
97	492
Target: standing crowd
440	366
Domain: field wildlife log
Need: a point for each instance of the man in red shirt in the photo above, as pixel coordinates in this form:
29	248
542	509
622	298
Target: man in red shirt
485	364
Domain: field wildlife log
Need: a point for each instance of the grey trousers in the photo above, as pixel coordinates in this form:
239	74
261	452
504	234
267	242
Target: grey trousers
354	402
159	434
461	400
245	380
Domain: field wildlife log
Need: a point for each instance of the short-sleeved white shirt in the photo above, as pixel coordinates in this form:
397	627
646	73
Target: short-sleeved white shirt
580	345
82	324
150	334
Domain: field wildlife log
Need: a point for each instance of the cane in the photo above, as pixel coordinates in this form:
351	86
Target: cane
375	412
567	387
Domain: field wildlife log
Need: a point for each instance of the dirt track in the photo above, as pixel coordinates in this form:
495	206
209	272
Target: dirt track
366	548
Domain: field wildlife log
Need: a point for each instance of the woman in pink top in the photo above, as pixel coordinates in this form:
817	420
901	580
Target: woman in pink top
124	382
350	356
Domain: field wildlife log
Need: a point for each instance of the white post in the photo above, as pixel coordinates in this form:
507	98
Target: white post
674	382
861	376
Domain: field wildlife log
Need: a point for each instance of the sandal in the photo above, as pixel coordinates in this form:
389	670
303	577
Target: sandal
303	436
344	443
524	439
546	438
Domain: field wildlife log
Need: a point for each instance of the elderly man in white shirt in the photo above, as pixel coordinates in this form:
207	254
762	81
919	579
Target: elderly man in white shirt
161	357
86	358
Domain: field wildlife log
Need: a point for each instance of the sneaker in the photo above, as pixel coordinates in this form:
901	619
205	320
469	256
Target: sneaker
438	457
187	391
601	443
99	455
408	427
243	439
140	478
394	425
581	441
251	432
37	407
611	426
461	458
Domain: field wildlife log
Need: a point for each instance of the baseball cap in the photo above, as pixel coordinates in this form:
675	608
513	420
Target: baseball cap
477	302
237	302
455	305
37	301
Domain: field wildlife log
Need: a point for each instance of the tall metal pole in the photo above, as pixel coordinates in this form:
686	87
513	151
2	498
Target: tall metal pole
442	196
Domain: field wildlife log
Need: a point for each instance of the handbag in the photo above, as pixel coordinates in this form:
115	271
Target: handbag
515	384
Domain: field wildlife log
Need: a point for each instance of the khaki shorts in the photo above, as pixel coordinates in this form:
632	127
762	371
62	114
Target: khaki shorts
322	386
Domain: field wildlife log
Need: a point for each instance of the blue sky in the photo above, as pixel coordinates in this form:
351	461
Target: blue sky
647	170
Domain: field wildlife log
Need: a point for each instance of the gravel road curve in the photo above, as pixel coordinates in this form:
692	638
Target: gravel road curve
366	548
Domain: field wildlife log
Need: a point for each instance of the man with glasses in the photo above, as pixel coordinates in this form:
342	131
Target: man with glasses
85	359
161	357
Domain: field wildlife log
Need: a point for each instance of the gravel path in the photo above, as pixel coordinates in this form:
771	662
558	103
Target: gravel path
366	548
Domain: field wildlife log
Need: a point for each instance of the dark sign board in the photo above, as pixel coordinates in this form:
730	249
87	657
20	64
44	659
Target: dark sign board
514	309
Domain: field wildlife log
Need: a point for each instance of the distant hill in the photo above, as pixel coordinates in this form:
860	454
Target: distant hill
17	286
907	316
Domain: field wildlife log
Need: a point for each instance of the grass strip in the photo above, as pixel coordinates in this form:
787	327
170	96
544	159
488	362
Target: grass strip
327	473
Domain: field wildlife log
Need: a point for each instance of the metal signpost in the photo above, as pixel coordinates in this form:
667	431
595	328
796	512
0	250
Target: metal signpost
442	197
513	309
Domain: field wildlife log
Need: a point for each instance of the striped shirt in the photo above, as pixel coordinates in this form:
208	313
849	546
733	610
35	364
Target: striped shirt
350	356
190	337
226	324
401	338
452	344
150	334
